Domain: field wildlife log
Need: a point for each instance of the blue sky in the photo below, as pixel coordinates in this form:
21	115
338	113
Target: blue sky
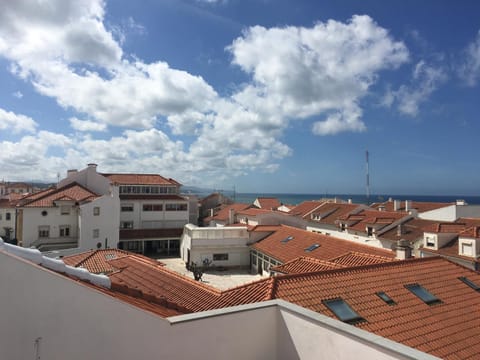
266	96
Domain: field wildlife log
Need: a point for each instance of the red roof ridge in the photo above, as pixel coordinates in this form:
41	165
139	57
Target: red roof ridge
57	190
362	267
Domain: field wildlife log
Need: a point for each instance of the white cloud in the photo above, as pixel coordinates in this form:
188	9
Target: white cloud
301	72
469	71
67	53
86	125
425	80
18	94
16	122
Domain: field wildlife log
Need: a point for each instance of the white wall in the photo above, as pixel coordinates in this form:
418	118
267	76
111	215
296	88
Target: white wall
107	222
203	242
90	179
33	219
7	223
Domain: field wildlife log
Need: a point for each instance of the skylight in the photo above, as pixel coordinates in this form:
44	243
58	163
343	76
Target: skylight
342	310
469	283
382	295
287	239
312	247
423	294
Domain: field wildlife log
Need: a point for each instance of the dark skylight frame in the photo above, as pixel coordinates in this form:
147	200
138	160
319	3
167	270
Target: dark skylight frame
382	295
312	247
287	239
343	311
470	283
422	293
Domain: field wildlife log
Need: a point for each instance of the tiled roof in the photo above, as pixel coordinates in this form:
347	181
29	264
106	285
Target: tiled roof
306	208
73	191
411	230
354	258
330	212
469	221
444	227
449	330
223	213
254	211
471	232
269	203
97	261
126	234
420	206
140	179
330	247
359	222
305	264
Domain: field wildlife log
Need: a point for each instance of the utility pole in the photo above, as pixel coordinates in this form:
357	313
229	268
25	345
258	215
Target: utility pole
368	179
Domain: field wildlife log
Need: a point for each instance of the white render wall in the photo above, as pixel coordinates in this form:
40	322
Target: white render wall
72	321
33	219
90	179
203	242
107	222
154	219
7	223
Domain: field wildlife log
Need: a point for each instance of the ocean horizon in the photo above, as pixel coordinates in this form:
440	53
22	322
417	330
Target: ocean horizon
295	199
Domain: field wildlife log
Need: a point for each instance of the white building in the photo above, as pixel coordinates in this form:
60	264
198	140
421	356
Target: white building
151	210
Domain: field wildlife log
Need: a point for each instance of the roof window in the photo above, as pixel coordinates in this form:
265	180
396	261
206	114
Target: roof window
469	283
423	294
312	247
342	311
287	239
382	295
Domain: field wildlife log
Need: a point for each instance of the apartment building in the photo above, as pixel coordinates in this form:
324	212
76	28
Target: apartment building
150	214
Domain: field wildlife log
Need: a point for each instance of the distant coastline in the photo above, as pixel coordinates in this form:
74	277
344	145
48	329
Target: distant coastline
294	199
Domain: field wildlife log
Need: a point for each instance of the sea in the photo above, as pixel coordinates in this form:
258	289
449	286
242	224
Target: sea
295	199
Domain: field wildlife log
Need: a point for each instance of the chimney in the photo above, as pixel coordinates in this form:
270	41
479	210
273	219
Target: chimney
381	208
396	205
460	202
231	216
400	230
349	201
403	250
71	172
212	212
408	205
92	165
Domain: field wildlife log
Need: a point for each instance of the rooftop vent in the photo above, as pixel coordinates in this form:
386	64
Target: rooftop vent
287	239
312	247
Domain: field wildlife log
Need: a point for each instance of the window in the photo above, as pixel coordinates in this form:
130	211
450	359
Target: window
126	225
64	231
126	207
342	227
220	257
369	231
467	249
44	213
312	247
430	241
343	311
96	211
423	294
287	239
44	231
7	216
152	207
469	283
176	207
386	298
64	209
96	233
254	259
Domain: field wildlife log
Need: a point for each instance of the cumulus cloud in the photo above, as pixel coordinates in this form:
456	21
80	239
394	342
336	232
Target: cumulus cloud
86	125
426	78
469	71
17	123
300	72
67	53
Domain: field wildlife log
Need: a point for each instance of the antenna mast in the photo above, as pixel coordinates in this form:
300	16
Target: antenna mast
368	180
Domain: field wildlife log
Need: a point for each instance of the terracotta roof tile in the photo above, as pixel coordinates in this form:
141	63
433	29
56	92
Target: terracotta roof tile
306	208
420	206
330	247
354	258
268	203
223	213
328	213
446	227
73	192
140	179
411	230
305	264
